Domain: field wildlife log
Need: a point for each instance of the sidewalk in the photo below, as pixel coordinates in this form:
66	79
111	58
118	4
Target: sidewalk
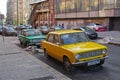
16	64
113	37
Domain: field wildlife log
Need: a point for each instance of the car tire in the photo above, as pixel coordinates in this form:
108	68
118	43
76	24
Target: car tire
45	54
26	44
67	64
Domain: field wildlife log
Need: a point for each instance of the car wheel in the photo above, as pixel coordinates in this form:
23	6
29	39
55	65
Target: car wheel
45	54
67	64
26	44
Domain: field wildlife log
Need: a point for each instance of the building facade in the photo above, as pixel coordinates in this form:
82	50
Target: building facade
27	7
16	11
42	13
81	12
2	18
11	12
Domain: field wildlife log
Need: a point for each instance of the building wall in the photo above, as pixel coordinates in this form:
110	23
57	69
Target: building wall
42	13
28	8
81	11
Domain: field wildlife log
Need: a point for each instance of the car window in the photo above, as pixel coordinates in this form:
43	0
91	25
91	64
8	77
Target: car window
33	32
10	29
50	38
56	39
24	33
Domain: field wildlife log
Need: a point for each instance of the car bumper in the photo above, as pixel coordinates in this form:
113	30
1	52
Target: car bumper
35	44
93	36
86	62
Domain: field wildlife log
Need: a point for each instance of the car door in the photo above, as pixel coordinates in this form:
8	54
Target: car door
49	43
56	48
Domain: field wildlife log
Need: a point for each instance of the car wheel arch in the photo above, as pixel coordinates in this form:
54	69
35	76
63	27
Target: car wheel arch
65	56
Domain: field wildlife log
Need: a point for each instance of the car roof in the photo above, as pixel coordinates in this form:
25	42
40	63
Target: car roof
65	31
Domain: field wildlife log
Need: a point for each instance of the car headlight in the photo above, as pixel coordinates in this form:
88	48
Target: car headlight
104	51
77	57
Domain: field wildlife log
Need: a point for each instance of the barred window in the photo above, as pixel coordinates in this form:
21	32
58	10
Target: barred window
82	5
93	5
106	4
70	5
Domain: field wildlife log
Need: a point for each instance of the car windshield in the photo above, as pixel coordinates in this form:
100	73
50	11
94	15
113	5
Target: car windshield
72	38
33	32
10	30
44	27
85	28
58	28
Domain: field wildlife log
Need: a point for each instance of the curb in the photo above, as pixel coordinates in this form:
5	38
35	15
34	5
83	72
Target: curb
56	74
114	43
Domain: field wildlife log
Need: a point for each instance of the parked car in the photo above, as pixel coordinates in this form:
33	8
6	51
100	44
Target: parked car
96	27
73	47
44	29
30	37
10	31
90	33
21	27
56	28
28	27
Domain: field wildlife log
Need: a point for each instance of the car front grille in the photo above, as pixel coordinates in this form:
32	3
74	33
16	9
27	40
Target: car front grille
37	40
91	54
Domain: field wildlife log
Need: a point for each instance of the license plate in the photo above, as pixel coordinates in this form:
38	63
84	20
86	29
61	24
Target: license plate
93	62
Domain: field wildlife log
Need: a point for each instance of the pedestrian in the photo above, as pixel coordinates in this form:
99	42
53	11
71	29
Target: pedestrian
63	26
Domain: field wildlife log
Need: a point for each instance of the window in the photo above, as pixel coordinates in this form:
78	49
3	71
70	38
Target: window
56	39
106	4
117	2
50	38
82	5
93	5
70	5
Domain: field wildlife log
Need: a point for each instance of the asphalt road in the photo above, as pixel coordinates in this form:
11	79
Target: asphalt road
109	71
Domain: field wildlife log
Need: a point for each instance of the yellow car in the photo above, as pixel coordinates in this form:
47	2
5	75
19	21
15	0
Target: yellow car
73	47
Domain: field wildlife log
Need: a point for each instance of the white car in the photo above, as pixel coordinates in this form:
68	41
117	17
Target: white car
96	27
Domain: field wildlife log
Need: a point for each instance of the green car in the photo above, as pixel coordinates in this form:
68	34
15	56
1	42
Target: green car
30	37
